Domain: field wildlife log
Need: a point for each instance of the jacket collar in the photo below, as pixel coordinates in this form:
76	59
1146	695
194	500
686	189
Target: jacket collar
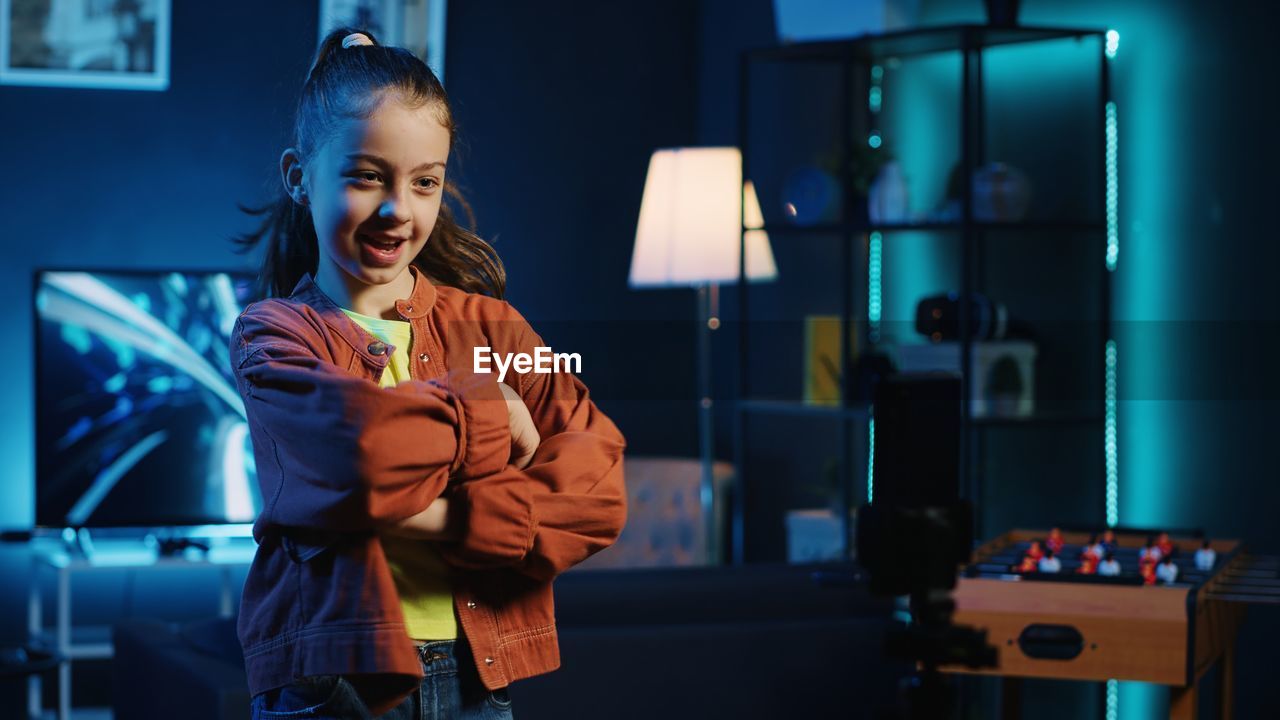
417	305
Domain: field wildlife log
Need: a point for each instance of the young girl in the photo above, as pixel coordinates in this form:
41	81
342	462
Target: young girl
415	509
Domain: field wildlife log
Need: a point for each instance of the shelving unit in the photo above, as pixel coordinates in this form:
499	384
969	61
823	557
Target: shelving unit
825	91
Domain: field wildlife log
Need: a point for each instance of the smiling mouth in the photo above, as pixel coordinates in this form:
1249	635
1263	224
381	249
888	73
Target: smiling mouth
380	243
380	252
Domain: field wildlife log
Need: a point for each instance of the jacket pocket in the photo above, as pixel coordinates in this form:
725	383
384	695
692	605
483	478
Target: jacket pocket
319	696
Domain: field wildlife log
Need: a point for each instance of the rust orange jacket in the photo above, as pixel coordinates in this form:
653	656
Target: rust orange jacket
338	458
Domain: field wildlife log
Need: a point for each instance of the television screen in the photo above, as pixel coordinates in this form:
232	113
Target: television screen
138	421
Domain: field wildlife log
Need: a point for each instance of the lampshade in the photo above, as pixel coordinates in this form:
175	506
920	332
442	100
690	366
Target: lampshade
691	221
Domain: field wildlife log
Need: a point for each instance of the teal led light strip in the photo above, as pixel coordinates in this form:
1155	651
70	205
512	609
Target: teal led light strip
1113	252
1113	480
874	95
875	247
874	259
873	104
871	459
1113	192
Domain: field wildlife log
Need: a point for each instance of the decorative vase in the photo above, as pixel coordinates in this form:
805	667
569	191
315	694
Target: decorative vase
1001	193
810	196
887	200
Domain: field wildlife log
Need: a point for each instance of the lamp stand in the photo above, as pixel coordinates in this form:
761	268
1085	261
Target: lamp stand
708	321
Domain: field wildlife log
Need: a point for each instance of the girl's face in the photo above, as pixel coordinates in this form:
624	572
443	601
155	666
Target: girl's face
374	189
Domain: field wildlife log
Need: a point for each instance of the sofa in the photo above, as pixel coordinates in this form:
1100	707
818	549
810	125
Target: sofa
665	522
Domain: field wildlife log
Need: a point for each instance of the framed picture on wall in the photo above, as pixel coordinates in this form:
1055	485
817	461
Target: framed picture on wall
417	25
117	44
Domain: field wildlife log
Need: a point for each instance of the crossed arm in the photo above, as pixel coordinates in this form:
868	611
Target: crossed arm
326	461
436	522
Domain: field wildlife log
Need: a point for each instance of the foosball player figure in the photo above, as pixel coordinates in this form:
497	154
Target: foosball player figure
1036	551
1148	572
1164	544
1028	564
1109	566
1088	563
1050	562
1167	570
1149	555
1108	542
1205	557
1055	541
1094	549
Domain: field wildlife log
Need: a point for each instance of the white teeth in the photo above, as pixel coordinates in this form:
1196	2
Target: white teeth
382	244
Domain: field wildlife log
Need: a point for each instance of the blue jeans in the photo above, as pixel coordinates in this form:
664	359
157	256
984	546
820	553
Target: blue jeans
451	690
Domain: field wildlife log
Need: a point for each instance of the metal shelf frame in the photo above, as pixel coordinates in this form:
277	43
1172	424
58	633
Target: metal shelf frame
858	55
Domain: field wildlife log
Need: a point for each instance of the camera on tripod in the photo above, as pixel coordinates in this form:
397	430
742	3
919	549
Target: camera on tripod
917	532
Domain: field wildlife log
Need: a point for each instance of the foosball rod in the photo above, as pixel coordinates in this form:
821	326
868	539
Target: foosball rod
1251	599
1231	589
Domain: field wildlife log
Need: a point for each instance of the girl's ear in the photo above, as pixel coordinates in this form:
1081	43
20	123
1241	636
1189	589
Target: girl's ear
291	174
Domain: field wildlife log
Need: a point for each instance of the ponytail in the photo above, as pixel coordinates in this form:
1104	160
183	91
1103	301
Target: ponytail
292	250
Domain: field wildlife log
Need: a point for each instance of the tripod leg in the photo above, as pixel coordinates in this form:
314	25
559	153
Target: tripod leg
1010	698
1227	663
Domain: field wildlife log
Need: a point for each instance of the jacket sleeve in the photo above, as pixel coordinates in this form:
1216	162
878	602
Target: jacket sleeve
337	452
567	504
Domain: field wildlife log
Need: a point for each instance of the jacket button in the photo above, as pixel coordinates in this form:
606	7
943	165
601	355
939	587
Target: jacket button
488	661
424	357
471	604
408	308
377	348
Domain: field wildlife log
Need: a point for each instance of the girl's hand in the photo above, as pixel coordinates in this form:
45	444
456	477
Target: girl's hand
524	435
430	524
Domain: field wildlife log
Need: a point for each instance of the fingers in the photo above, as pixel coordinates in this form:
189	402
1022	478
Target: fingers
525	446
510	394
524	434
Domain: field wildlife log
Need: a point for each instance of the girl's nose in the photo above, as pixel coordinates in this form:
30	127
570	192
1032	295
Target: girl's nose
393	208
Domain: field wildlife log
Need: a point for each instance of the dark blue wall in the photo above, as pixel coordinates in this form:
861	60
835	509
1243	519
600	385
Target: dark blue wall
559	113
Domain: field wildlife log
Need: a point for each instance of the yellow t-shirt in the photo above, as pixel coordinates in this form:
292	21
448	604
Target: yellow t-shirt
421	577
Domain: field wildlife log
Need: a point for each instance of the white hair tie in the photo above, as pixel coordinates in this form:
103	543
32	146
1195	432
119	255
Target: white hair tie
356	39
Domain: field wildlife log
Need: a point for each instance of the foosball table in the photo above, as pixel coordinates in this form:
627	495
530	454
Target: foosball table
1072	623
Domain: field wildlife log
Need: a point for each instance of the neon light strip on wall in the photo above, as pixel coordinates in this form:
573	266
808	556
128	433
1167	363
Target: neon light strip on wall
1113	221
1113	253
1113	484
874	297
871	459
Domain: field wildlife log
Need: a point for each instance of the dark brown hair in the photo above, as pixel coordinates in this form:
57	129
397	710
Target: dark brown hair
351	83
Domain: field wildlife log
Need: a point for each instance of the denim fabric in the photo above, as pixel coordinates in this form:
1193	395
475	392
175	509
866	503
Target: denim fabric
450	690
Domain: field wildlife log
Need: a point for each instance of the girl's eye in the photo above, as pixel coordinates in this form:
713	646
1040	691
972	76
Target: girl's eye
365	175
428	183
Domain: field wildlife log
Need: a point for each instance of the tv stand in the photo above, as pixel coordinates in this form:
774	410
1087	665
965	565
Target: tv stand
78	554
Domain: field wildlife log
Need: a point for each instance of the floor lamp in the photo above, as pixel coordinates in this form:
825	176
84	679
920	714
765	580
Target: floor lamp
691	234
